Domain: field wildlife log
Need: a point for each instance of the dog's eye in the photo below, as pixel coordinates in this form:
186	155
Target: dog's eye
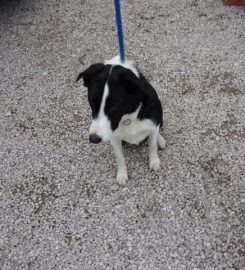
94	104
111	110
110	107
93	101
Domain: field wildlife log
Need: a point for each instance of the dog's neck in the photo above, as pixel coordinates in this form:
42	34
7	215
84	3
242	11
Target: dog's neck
115	61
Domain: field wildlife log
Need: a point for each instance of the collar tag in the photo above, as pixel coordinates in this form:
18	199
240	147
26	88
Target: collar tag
127	122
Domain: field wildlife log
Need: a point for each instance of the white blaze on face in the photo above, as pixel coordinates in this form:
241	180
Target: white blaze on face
101	125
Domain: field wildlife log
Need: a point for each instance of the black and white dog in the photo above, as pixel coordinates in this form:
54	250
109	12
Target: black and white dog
125	107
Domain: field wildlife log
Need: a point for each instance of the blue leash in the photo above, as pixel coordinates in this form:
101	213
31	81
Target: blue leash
119	29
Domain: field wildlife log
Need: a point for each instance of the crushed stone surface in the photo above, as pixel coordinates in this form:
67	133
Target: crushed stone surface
60	206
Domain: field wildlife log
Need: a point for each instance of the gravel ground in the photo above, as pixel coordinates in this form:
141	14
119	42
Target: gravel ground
60	205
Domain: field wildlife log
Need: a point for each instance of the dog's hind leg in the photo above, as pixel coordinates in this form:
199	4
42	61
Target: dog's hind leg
161	141
154	161
122	175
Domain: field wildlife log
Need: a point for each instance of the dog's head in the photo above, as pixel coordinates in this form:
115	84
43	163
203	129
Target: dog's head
113	91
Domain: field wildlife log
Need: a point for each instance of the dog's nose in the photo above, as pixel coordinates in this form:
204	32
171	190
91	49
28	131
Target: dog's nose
94	138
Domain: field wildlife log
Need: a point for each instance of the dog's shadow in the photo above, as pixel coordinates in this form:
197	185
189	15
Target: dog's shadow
141	145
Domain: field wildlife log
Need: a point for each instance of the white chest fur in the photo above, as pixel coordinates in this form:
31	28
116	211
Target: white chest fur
133	130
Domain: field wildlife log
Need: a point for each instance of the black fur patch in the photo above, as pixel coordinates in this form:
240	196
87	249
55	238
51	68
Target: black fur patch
126	93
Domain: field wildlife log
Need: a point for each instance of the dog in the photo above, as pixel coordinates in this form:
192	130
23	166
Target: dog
125	107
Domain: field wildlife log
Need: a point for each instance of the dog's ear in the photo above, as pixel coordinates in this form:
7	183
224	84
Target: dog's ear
90	72
129	80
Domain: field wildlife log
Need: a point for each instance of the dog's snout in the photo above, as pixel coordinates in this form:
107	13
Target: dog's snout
94	138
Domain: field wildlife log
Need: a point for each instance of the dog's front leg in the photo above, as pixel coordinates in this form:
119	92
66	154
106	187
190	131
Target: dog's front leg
154	161
122	174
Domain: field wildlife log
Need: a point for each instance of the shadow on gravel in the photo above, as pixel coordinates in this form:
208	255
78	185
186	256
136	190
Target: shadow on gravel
18	12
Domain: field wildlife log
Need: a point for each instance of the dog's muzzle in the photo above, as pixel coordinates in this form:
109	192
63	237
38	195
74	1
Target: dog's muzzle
94	138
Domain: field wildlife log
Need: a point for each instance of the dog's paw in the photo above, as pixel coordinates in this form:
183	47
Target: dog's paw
161	142
155	164
122	177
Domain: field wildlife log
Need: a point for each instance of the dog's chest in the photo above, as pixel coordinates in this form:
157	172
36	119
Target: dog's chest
133	130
